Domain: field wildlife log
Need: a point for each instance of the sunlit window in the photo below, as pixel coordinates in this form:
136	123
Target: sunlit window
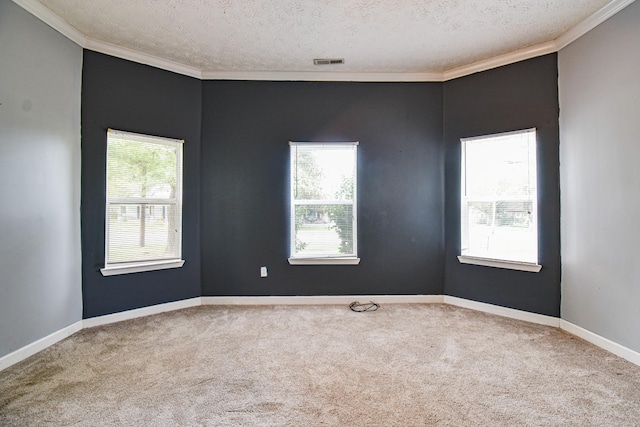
144	199
323	200
499	197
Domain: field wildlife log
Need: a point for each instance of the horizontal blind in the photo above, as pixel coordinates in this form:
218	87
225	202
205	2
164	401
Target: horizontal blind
144	198
499	197
323	199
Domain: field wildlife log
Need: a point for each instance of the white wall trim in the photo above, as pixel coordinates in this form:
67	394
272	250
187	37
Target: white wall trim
51	19
140	312
591	22
503	311
39	345
500	60
604	343
324	76
141	58
138	267
325	261
57	23
323	300
498	263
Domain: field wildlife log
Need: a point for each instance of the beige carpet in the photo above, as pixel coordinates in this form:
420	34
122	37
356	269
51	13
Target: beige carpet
403	365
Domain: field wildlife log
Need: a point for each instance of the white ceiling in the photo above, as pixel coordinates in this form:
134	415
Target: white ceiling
428	37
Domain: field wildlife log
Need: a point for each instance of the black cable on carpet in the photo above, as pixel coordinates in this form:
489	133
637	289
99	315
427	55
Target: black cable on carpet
361	308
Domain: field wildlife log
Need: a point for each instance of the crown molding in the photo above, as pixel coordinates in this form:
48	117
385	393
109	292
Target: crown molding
545	48
57	23
51	19
500	60
591	22
321	76
141	58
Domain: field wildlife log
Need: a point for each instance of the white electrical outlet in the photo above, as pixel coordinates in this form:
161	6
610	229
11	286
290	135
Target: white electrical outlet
263	271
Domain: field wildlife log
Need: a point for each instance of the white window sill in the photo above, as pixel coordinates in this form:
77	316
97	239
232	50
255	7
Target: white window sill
511	265
138	267
325	261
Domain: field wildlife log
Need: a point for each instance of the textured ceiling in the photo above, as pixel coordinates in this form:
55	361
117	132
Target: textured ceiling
387	36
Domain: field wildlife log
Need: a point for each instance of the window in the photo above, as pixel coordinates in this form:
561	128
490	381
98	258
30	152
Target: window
143	227
323	203
499	225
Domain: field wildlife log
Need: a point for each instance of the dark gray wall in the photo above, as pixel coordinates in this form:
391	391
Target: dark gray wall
517	96
245	185
128	96
40	76
600	128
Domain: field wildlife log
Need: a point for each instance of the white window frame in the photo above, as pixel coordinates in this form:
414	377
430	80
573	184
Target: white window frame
490	262
334	259
111	269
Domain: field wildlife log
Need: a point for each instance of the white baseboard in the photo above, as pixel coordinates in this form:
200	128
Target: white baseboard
37	346
503	311
595	339
140	312
33	348
323	300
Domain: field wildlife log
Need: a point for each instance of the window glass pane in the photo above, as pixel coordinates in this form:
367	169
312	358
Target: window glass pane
323	200
142	232
141	169
324	229
323	172
144	198
499	197
501	230
502	165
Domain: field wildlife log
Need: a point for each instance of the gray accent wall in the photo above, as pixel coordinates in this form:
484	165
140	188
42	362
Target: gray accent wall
599	91
40	283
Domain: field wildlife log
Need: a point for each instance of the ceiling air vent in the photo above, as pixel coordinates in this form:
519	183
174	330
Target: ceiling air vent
328	61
